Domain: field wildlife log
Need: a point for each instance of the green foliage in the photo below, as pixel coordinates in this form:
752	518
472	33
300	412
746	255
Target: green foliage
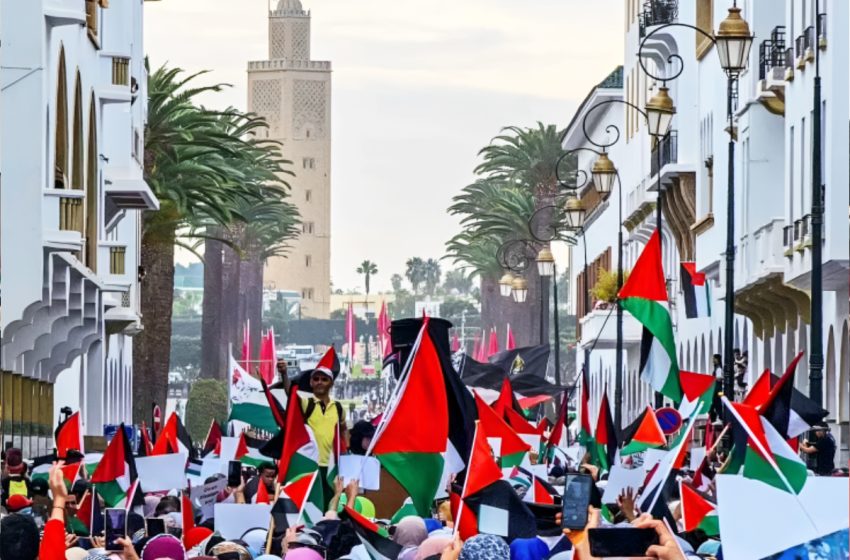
452	309
207	401
186	355
367	268
458	280
338	314
415	273
396	282
187	303
605	288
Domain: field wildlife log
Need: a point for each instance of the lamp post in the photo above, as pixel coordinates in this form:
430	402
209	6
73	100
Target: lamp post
733	41
816	333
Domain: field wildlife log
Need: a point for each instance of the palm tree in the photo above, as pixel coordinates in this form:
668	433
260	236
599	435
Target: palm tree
367	269
414	272
198	162
431	272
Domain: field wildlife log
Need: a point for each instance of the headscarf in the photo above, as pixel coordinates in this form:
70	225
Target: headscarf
302	553
163	546
432	546
485	547
256	540
529	549
150	505
76	553
410	531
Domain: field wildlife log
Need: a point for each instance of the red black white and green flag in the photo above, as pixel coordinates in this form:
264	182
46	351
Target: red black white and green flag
69	436
585	434
116	472
300	454
407	446
376	542
299	502
697	393
698	512
696	291
339	448
513	449
645	296
644	433
767	457
604	447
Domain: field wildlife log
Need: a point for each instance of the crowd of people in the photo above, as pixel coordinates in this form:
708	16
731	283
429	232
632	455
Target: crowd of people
40	517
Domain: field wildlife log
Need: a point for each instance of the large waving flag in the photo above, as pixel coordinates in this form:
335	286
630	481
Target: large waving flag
644	433
768	457
248	403
645	296
788	410
697	393
300	500
696	291
69	436
513	448
408	447
116	472
377	543
697	512
300	454
174	438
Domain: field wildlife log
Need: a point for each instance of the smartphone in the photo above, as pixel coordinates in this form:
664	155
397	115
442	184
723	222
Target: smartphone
576	500
234	473
154	526
620	541
115	527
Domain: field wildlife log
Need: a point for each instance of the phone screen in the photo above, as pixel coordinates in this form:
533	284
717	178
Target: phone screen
620	541
234	473
115	527
576	500
154	526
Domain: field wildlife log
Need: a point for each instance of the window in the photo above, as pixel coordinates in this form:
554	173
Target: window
307	293
791	148
308	195
308	227
308	261
308	163
803	166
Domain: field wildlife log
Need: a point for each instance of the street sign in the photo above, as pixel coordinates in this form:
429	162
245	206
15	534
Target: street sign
157	419
669	419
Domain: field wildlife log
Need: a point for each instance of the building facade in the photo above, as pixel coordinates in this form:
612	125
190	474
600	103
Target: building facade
73	102
293	93
773	184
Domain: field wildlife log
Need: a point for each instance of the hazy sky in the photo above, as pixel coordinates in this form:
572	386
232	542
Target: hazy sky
419	86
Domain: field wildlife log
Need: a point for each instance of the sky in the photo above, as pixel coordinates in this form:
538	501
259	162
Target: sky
419	86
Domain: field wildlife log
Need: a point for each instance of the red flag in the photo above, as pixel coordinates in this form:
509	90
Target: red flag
513	447
465	520
69	436
278	412
494	343
241	448
482	470
482	350
759	392
213	440
519	423
246	346
189	515
145	446
350	333
384	330
541	495
505	401
510	343
268	357
558	428
262	495
647	278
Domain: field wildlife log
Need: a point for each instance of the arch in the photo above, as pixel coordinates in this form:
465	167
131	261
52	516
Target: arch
92	187
710	365
844	377
767	358
802	375
77	165
688	356
830	402
703	368
60	141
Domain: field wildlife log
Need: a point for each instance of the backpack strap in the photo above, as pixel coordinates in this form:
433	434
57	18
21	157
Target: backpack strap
311	406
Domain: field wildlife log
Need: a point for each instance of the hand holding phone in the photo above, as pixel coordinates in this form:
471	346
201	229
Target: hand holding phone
576	500
115	528
154	526
234	474
621	541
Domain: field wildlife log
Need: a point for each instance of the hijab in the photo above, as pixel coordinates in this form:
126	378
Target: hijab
432	546
163	546
485	547
302	553
529	549
410	531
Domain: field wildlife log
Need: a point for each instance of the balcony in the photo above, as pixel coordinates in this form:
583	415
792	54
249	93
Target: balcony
658	12
797	241
599	327
125	189
772	72
789	64
809	44
117	89
800	51
63	215
822	31
665	152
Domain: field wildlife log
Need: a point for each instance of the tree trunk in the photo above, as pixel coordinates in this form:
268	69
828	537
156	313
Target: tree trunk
213	347
251	290
231	325
151	346
524	318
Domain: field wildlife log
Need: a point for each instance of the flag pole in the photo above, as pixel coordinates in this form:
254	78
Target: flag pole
456	527
268	548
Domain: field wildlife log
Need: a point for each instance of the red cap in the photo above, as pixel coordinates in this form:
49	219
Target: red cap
17	502
195	536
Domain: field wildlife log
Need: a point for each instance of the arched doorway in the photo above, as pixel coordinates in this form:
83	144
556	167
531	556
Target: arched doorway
830	402
91	232
60	140
844	377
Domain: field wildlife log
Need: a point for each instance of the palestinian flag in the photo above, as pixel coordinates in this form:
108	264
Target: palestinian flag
759	392
248	453
301	497
604	446
791	414
538	493
69	436
262	495
513	448
644	433
174	438
585	436
697	512
378	545
276	408
116	471
506	399
409	448
768	456
407	509
645	296
70	472
89	515
519	423
482	469
248	402
696	291
300	454
697	393
213	439
339	448
703	476
145	445
557	432
498	509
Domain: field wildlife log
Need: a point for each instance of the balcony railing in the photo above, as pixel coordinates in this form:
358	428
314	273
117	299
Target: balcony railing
809	43
120	71
71	213
788	236
116	260
789	64
800	51
658	12
669	152
772	52
822	31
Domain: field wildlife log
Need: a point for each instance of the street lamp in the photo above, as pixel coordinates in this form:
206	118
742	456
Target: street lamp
545	262
575	213
603	173
733	40
506	284
659	113
519	289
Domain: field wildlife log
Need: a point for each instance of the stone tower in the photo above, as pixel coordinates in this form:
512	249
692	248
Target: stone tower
293	93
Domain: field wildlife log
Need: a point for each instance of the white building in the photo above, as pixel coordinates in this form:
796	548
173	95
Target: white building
772	192
73	91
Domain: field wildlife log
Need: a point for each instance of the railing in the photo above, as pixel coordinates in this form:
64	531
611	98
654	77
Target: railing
116	260
71	213
669	147
822	31
658	12
120	71
789	63
772	52
809	42
284	64
800	46
788	236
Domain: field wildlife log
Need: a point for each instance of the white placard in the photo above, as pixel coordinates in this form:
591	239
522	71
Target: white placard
540	471
232	520
652	457
697	455
574	453
366	469
228	448
496	446
533	441
204	496
162	472
492	521
619	479
757	520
